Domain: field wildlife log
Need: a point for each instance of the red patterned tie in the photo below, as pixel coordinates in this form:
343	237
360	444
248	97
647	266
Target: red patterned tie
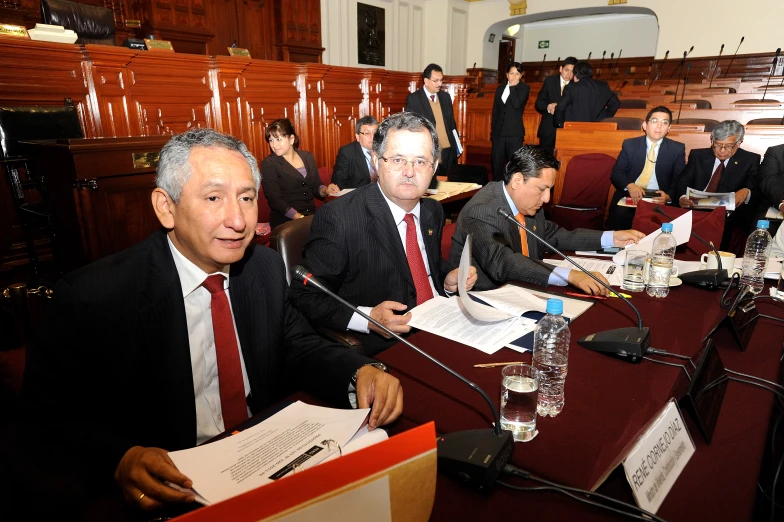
227	353
423	289
433	98
713	184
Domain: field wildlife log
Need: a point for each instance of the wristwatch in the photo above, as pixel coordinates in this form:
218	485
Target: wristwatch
380	366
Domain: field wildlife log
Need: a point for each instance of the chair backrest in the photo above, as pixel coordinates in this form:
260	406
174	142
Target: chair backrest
699	103
289	239
36	123
91	23
467	173
709	124
633	104
587	180
627	123
765	121
708	225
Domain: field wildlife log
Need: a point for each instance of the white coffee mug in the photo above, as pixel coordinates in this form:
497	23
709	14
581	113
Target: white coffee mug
708	261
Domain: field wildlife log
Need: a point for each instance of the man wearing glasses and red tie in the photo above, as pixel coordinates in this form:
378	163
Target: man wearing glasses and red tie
722	168
379	247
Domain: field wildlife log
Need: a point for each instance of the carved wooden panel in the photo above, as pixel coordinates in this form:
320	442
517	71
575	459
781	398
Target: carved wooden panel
256	28
388	91
109	89
226	86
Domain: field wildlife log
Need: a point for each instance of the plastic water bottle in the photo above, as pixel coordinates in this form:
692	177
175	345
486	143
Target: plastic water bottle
551	353
662	254
756	257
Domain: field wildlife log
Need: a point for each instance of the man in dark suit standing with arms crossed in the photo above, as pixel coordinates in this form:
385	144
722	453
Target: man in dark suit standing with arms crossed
379	247
188	332
651	162
507	127
354	165
436	105
549	96
503	252
724	167
585	99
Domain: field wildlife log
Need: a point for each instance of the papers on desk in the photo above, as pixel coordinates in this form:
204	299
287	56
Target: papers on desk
447	189
774	213
297	437
710	200
681	229
613	272
629	202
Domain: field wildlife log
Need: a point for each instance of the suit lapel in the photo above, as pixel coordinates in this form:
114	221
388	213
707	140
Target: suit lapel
383	228
288	169
430	236
361	159
514	232
428	112
247	298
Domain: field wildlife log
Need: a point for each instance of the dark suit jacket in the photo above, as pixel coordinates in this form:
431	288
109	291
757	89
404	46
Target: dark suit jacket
740	172
586	100
355	250
351	167
771	176
549	93
670	162
114	370
496	242
419	103
284	187
508	117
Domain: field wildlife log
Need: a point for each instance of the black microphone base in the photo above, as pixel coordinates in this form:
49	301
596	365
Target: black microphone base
708	279
475	457
628	344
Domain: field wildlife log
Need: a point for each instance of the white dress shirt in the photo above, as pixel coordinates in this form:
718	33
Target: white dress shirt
505	94
359	323
204	364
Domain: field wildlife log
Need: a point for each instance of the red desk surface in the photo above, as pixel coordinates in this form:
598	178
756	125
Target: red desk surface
607	402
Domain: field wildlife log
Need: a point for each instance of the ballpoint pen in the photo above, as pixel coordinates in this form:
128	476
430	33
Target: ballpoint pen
493	365
586	296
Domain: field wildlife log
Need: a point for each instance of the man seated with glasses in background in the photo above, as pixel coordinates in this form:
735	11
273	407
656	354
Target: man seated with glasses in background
724	167
379	247
651	163
354	164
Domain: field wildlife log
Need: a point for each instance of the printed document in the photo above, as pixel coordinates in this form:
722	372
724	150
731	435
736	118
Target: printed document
710	200
681	229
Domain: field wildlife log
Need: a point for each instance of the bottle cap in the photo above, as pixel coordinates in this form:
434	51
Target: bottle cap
763	223
554	306
667	227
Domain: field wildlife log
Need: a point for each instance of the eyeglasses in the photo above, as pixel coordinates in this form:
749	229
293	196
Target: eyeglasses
398	163
366	133
721	146
436	80
654	121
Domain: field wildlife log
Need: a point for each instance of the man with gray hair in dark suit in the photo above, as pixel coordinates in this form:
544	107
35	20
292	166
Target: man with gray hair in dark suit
502	252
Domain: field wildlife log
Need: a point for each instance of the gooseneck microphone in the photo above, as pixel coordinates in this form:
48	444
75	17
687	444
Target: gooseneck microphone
708	279
715	66
475	457
772	70
628	344
659	70
677	69
685	80
733	56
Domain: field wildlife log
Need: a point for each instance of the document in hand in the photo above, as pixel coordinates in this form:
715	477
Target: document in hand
681	229
297	437
710	200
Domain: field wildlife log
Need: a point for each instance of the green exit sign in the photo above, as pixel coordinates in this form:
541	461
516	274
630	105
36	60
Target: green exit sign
544	44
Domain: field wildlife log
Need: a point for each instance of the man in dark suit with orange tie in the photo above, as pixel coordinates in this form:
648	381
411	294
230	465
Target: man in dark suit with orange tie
379	247
507	127
724	167
354	163
548	97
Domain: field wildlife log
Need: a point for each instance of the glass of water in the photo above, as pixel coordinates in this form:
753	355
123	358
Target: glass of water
634	271
519	396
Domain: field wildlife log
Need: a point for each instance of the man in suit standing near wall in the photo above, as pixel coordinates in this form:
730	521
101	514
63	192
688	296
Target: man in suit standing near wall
503	252
436	105
507	126
585	99
651	162
771	178
724	167
549	96
182	336
379	247
354	164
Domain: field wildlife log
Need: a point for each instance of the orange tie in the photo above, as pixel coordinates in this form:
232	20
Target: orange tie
523	236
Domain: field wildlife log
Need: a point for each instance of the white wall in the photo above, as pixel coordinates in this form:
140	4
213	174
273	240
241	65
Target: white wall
705	24
577	36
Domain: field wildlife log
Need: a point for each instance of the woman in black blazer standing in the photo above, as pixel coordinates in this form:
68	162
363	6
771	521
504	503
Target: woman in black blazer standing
289	176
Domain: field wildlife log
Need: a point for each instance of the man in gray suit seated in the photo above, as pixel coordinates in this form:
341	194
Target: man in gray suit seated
501	253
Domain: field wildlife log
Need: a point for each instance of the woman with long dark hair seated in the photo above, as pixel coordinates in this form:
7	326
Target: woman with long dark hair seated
289	176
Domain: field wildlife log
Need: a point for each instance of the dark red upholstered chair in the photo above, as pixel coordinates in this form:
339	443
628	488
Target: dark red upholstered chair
446	239
707	225
325	173
584	196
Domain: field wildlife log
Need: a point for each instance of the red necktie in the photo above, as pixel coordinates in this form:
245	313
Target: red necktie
433	98
423	289
227	353
713	184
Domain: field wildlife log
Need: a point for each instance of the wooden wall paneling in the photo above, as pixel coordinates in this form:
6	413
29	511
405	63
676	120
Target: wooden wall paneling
256	28
299	30
226	80
42	73
182	22
224	23
272	90
107	74
170	93
389	89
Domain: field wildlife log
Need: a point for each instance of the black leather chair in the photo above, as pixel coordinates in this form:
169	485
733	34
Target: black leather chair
698	103
288	240
91	23
766	121
467	173
27	188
